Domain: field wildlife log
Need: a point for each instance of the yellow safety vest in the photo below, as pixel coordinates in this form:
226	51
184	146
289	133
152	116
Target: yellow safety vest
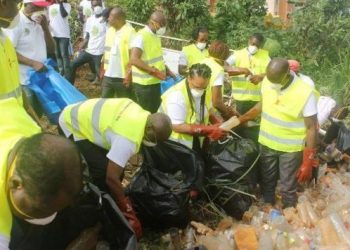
91	120
193	54
216	70
243	90
282	128
9	71
127	31
190	117
152	55
15	124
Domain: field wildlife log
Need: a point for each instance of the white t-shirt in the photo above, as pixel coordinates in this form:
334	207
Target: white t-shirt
29	41
310	107
115	67
86	6
324	106
307	80
121	148
59	26
177	110
138	40
231	60
97	35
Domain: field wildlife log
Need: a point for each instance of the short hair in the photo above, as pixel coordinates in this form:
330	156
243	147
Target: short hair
42	169
201	70
197	30
219	50
258	36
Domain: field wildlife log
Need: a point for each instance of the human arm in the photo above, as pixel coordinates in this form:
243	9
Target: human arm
50	43
251	114
63	11
85	42
234	71
36	65
169	72
182	68
256	79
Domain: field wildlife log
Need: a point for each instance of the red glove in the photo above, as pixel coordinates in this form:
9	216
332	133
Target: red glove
158	74
309	160
129	213
211	131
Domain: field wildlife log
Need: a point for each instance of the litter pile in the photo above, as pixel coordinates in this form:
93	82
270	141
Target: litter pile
321	220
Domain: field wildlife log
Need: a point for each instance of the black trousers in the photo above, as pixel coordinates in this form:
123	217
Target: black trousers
148	96
83	58
114	87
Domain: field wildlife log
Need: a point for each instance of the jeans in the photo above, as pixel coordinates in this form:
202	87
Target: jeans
276	164
148	96
62	55
114	87
83	58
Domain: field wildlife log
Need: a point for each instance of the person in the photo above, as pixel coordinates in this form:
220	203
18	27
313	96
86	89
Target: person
329	109
40	173
95	40
218	53
108	131
287	125
59	13
294	65
196	51
116	57
33	41
189	109
147	61
9	69
251	63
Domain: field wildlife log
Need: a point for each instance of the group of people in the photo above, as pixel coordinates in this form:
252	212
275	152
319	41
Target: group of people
41	173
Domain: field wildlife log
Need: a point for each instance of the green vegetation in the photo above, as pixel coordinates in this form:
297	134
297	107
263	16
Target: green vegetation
318	35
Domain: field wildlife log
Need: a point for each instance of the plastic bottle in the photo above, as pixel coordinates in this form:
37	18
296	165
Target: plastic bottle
311	212
281	241
340	228
265	240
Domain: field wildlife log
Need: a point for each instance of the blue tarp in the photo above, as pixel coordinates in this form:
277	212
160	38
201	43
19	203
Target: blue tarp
53	91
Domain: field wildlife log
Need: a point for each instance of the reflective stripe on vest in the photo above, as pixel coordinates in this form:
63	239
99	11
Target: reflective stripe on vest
242	89
282	128
152	55
184	139
126	34
16	93
15	124
194	55
92	119
9	71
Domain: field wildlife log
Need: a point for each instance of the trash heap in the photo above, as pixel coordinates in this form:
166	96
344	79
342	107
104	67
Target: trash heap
321	220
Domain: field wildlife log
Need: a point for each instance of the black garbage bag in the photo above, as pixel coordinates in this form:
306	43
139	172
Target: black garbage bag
227	169
92	207
160	190
343	138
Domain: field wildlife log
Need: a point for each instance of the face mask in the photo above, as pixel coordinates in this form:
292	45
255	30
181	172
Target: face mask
197	92
13	23
149	143
161	31
252	49
201	46
98	10
42	221
36	15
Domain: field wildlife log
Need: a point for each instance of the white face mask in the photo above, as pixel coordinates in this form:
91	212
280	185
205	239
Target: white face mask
36	15
98	10
149	143
276	86
14	22
252	49
161	31
201	46
197	92
42	221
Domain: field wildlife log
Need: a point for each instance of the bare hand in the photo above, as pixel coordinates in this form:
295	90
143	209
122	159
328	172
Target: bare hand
158	74
38	66
256	79
247	72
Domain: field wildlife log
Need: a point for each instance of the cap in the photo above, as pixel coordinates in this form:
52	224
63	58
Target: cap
39	3
294	65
